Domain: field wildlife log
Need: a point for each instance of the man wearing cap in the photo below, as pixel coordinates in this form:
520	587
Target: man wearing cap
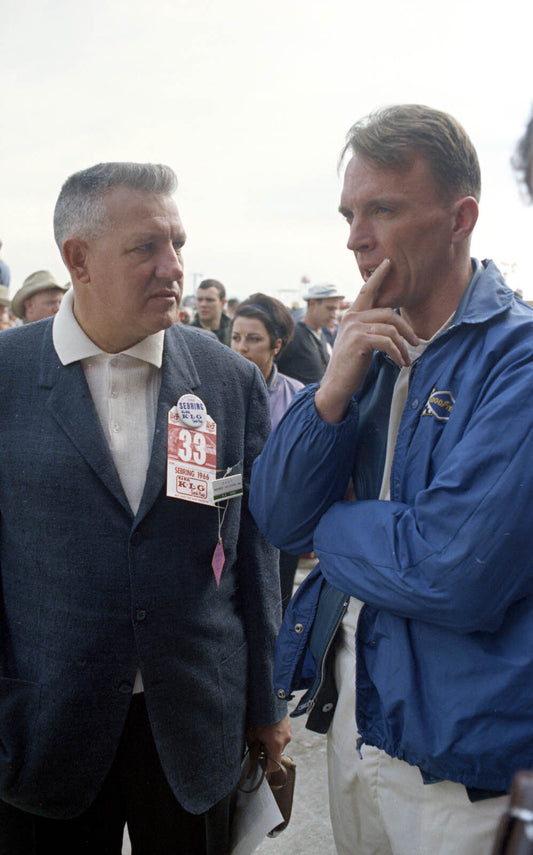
40	297
305	358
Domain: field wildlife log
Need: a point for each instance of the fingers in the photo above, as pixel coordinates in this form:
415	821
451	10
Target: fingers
361	333
368	295
274	737
389	337
365	328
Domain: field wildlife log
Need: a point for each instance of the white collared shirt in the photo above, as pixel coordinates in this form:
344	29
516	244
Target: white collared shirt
124	388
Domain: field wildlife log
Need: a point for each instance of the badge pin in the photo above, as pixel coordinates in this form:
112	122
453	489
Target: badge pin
439	404
191	411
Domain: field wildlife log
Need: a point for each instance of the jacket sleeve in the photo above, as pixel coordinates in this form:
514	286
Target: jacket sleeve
304	468
461	553
258	569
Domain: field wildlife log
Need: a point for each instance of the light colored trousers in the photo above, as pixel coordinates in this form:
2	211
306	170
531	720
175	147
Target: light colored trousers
380	806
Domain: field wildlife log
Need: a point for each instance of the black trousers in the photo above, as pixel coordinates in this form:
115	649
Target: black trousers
135	792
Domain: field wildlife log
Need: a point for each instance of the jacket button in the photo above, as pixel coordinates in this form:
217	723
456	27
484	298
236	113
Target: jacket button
327	707
414	405
136	538
281	694
125	688
140	614
299	628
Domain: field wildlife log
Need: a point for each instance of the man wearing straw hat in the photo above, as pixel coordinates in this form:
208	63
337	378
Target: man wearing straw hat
39	297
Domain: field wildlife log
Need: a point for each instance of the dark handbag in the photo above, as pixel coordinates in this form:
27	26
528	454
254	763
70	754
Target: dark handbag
281	782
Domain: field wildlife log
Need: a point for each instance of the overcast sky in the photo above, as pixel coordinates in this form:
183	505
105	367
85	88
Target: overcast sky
250	102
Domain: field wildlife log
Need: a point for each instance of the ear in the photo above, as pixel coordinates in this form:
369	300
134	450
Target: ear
75	253
277	346
465	211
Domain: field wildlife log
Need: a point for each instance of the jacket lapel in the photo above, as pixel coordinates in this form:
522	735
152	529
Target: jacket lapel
178	376
71	406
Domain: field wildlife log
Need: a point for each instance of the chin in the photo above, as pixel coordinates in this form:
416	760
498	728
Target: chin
163	322
388	301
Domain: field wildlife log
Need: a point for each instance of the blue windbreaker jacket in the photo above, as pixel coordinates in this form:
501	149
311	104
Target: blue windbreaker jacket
445	641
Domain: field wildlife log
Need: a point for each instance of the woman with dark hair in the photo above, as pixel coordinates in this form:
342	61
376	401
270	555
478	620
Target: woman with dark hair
262	327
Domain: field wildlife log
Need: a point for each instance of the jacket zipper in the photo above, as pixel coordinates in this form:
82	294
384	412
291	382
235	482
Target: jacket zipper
310	704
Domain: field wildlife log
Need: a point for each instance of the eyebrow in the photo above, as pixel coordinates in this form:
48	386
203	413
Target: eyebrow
146	237
386	201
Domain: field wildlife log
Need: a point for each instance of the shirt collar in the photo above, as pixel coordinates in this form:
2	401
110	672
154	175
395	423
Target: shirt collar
72	343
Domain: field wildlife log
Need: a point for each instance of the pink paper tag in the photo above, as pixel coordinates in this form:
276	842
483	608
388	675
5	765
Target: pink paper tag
218	561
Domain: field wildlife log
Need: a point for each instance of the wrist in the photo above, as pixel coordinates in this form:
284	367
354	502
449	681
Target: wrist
332	405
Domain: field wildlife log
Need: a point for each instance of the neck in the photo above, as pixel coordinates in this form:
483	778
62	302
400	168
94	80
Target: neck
210	325
311	324
427	318
106	340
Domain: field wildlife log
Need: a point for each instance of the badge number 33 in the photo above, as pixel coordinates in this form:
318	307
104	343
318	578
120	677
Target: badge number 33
191	447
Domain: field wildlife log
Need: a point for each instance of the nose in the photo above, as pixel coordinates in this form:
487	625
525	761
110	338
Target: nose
170	264
360	238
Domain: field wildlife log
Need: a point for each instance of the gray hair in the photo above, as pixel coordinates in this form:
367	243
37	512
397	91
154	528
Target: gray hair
395	135
80	210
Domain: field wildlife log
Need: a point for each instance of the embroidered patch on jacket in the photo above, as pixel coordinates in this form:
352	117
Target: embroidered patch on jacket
439	404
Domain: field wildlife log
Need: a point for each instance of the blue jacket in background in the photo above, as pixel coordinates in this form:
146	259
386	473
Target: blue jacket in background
445	641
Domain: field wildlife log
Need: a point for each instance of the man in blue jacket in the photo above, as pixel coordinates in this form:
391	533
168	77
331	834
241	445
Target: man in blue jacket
137	628
408	472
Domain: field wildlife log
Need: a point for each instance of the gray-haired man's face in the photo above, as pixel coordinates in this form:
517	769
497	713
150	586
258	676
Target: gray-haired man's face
130	283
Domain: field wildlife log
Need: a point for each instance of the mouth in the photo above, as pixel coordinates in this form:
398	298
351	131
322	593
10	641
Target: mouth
166	295
367	272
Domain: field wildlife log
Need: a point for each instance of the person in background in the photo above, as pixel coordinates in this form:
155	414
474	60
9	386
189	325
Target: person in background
186	315
6	318
210	314
261	328
232	305
408	470
5	273
39	297
522	160
330	331
307	355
